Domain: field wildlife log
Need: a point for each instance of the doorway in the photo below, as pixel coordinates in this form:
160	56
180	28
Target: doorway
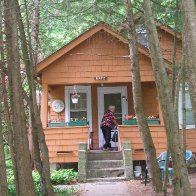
116	96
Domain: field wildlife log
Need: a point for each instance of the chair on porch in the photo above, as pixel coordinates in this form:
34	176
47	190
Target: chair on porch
162	160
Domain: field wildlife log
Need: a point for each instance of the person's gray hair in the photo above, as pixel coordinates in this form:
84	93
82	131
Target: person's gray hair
111	107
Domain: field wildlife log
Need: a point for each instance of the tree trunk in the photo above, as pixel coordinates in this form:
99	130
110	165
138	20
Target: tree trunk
8	122
41	160
35	31
25	181
189	42
166	102
3	176
184	113
149	147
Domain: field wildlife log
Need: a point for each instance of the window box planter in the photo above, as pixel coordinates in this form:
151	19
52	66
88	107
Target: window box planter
64	124
57	124
130	122
77	123
153	121
134	122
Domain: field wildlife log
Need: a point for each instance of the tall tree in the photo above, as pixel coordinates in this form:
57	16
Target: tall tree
40	147
169	116
3	176
149	148
25	180
35	31
189	44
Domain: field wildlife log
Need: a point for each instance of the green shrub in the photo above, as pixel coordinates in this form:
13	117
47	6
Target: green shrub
64	176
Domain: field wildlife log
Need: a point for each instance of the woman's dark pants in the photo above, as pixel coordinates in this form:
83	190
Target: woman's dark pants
107	136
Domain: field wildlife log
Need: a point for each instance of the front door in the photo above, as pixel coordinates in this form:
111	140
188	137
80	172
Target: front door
116	96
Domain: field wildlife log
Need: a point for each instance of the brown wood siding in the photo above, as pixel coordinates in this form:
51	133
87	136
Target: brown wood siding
131	133
191	139
167	45
68	138
65	139
56	92
100	55
150	100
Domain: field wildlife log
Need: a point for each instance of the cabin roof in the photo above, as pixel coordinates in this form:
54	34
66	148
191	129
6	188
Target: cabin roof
90	32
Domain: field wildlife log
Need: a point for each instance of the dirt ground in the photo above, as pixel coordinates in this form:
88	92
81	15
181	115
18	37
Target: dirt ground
122	188
137	188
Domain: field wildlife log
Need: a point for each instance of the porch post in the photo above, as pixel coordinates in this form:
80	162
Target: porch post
44	105
127	157
82	162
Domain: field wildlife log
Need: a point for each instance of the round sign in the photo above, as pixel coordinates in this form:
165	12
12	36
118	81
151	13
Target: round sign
58	106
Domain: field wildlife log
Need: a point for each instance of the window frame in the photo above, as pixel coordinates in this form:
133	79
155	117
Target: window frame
180	109
80	89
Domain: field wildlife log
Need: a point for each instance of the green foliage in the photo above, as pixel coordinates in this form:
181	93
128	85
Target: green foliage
10	180
63	20
64	176
9	164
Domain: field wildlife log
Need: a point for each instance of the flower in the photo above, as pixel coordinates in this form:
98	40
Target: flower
153	117
128	117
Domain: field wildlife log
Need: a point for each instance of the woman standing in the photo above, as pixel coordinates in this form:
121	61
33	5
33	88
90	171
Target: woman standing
107	124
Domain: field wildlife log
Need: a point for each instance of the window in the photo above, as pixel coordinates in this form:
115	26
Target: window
142	36
80	111
189	113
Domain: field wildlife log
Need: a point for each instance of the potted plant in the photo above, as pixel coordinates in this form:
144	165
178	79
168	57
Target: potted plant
74	98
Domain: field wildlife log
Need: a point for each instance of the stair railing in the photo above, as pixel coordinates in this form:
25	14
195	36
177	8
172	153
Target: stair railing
90	139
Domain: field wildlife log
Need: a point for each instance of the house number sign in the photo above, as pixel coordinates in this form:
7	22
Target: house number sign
101	78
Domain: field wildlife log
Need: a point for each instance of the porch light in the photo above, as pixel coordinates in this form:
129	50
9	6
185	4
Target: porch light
75	96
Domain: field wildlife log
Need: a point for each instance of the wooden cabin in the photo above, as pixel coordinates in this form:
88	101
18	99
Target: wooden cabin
96	66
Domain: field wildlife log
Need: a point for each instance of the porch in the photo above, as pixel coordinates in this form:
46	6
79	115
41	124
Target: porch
64	130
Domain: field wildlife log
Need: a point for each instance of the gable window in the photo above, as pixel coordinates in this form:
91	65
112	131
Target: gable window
189	114
80	111
142	36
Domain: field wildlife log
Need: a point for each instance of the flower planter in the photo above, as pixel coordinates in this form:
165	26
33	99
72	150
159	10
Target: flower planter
130	122
134	122
153	121
77	123
64	124
74	99
57	124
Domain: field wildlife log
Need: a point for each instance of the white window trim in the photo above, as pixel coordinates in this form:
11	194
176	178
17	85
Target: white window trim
80	89
180	112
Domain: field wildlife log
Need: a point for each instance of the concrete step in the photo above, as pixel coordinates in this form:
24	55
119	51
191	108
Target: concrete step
104	155
101	164
105	173
112	179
